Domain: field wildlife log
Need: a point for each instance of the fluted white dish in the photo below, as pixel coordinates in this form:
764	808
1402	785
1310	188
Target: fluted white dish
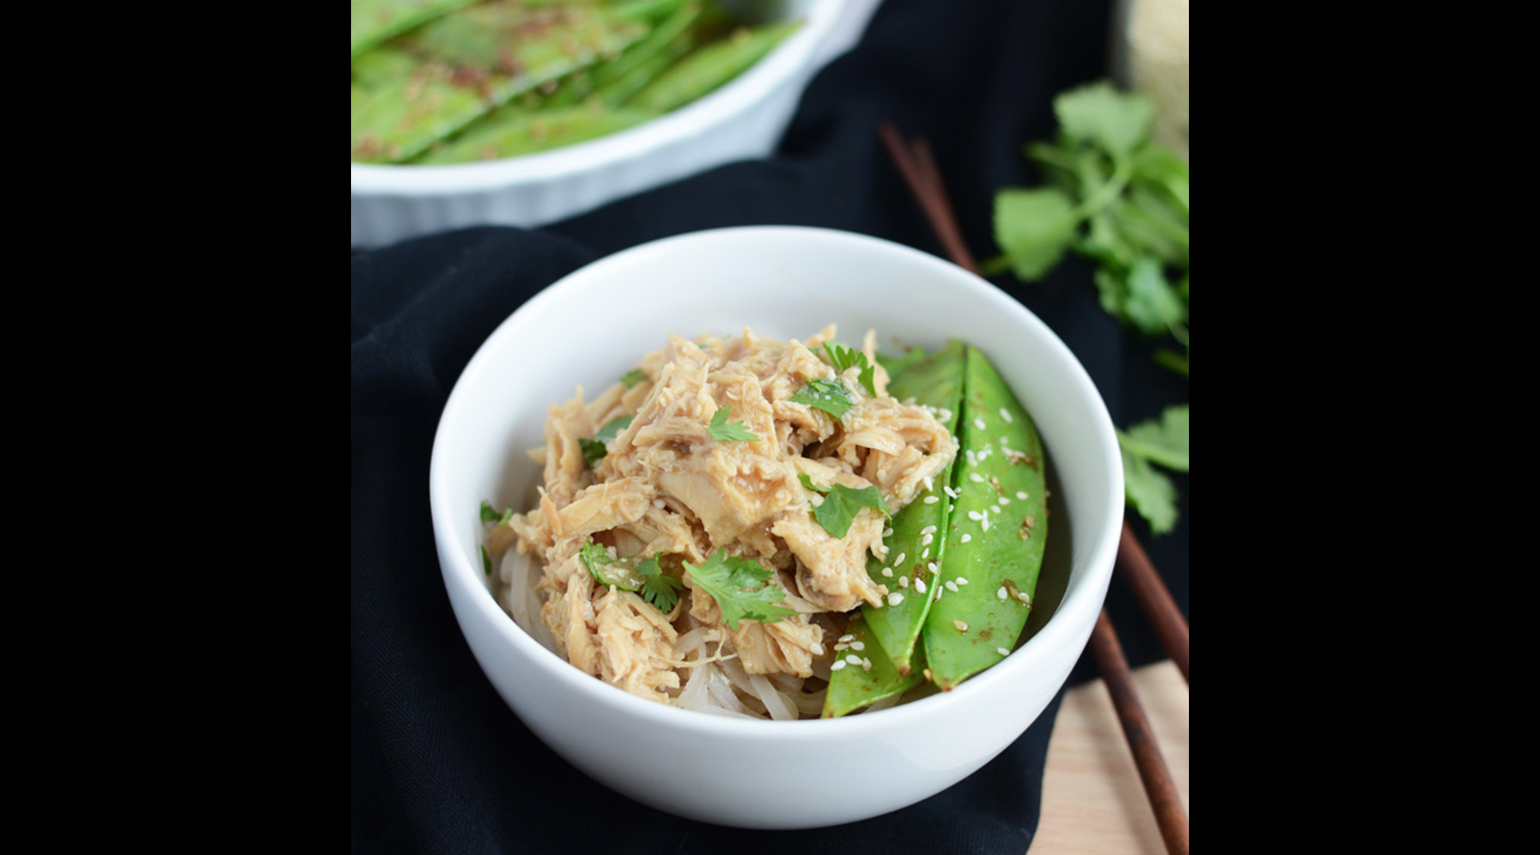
743	119
784	282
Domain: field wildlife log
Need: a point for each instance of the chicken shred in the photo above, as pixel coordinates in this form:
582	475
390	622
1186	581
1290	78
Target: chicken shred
666	486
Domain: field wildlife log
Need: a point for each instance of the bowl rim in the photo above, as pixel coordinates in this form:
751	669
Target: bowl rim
789	59
1078	609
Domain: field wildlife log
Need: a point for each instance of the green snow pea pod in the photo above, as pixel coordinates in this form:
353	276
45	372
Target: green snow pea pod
374	21
890	632
867	675
995	540
510	132
711	66
640	63
469	62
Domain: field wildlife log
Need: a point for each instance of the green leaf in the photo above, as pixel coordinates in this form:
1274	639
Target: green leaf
1162	440
741	588
1157	167
487	513
1104	117
660	589
1034	227
841	505
827	395
633	377
1151	304
808	482
842	358
721	431
1150	492
486	561
507	515
1172	360
620	572
593	451
607	434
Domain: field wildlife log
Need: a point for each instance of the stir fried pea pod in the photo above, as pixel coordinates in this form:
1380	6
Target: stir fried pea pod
999	478
936	381
469	62
855	685
374	21
711	66
511	132
644	60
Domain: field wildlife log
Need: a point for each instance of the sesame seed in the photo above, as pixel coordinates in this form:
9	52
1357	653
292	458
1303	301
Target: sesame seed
895	598
927	674
928	540
931	567
853	659
931	500
857	645
1030	520
951	586
1024	597
995	508
817	649
929	484
837	665
978	423
975	516
888	572
903	581
1001	593
974	477
1021	495
900	559
659	504
926	554
1002	651
973	458
1006	414
847	638
986	523
930	529
961	627
966	538
888	532
950	492
939	591
866	665
1003	501
961	581
840	646
919	585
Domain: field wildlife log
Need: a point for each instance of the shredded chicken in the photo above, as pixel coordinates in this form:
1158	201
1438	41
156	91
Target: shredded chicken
666	486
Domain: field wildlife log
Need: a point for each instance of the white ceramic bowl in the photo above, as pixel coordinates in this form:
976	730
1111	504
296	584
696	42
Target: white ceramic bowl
785	282
742	120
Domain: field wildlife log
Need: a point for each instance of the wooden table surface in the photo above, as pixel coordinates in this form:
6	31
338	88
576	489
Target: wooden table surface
1092	799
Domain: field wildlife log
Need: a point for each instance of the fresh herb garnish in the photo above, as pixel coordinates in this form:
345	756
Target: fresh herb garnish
633	377
486	561
827	395
488	514
741	587
1163	441
841	504
595	449
660	589
644	576
1130	196
842	357
722	431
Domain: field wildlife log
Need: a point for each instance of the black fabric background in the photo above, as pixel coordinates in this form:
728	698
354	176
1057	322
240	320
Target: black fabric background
439	763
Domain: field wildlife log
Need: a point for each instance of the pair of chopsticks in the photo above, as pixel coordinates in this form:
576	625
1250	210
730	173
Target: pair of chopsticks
918	167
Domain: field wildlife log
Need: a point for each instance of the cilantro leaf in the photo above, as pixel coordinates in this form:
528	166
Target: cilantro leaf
841	504
607	434
643	576
487	513
842	357
1172	360
827	395
1104	117
1151	493
593	452
1162	441
721	431
1151	303
660	589
1034	227
486	562
507	515
633	377
741	588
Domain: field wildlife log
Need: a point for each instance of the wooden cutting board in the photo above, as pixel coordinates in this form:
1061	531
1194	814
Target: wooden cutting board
1092	799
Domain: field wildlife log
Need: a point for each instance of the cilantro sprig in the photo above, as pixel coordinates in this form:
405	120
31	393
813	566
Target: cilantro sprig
644	576
1113	196
741	588
489	514
841	504
633	377
827	395
842	357
1162	441
722	431
595	449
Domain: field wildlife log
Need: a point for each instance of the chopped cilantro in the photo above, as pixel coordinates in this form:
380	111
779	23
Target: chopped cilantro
741	588
660	589
643	576
486	561
842	357
487	513
841	504
827	395
633	377
507	515
607	434
1163	441
593	451
722	431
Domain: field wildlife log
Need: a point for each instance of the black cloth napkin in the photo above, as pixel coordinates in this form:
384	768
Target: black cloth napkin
439	763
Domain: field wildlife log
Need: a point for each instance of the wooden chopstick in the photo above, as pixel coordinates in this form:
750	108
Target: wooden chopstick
918	167
1158	786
